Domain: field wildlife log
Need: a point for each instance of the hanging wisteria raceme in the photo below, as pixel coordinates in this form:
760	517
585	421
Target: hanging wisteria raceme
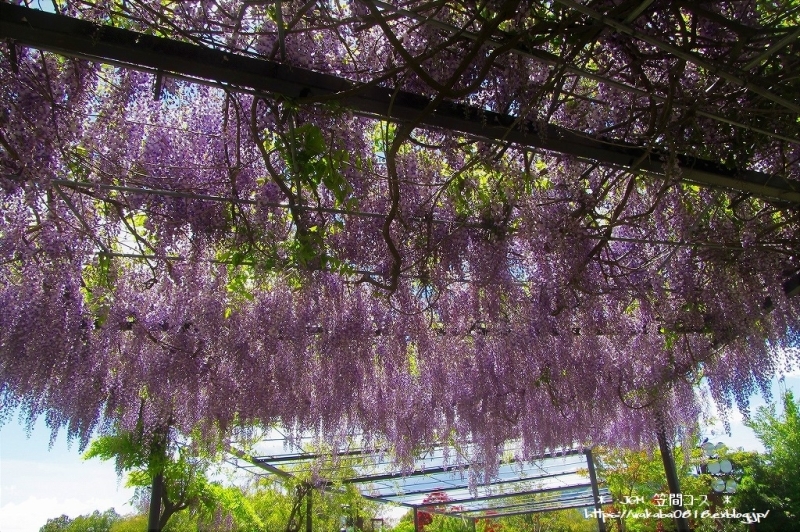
187	254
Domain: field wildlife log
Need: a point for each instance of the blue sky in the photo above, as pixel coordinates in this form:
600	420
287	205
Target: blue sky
742	436
38	482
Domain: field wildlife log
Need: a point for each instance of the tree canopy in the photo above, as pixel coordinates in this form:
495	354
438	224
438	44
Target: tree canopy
776	480
94	522
185	475
503	219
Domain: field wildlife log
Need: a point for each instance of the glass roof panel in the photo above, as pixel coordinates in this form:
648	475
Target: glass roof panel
557	480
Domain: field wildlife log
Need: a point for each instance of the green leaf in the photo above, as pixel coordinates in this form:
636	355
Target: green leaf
310	141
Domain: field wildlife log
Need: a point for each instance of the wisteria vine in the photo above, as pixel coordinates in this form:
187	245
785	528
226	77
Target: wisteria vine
194	255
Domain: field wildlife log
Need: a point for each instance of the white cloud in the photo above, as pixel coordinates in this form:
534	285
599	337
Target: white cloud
741	436
82	480
30	514
35	491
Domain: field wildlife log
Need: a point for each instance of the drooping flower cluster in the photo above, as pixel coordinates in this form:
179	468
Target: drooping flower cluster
210	257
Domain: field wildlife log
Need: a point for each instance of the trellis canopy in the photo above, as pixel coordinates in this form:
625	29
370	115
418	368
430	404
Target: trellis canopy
435	482
421	221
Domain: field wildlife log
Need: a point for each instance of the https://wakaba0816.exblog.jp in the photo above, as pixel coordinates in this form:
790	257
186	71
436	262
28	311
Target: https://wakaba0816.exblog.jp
665	503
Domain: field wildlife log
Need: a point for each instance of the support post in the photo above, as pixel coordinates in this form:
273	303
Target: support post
12	55
155	503
672	480
416	520
601	523
309	495
157	88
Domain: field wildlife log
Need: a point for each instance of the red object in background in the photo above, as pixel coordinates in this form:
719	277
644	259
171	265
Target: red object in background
425	518
492	525
435	500
431	500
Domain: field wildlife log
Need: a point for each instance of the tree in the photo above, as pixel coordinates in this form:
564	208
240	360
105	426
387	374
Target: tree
183	469
431	523
134	523
638	485
761	489
95	522
774	483
56	524
287	503
636	481
264	506
554	521
425	221
444	523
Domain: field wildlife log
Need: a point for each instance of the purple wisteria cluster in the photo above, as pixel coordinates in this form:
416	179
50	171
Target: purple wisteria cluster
185	254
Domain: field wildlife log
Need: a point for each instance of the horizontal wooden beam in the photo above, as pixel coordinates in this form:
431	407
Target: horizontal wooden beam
74	37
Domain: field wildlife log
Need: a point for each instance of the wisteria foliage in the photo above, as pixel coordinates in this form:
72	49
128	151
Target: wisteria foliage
205	256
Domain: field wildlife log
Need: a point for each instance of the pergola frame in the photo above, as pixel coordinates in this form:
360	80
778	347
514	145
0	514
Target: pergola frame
201	64
79	38
525	493
237	73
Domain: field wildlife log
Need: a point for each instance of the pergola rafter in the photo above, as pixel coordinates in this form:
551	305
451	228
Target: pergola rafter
681	54
598	282
552	481
553	60
104	43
